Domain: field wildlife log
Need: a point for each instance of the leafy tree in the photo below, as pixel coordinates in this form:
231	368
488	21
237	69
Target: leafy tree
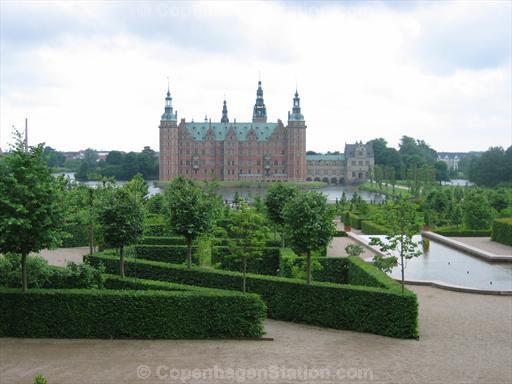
492	168
278	195
498	199
249	233
83	172
379	175
403	226
477	210
441	169
122	219
190	211
138	188
310	222
155	204
91	158
30	203
54	158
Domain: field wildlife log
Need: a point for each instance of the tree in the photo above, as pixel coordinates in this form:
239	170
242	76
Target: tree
122	219
457	215
277	196
441	169
498	199
249	233
190	211
492	168
310	222
30	204
477	210
138	188
379	175
402	224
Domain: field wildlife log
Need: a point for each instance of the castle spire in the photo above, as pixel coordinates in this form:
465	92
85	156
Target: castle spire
169	115
224	118
296	113
259	114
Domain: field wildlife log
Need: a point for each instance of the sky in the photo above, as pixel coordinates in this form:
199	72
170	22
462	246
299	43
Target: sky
94	74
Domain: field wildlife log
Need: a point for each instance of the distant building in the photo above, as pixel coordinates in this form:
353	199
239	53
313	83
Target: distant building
452	159
225	150
354	166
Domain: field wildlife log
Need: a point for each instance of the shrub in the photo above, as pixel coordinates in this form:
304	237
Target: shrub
163	240
383	311
154	230
340	234
139	314
42	275
76	235
370	228
264	262
326	269
167	253
502	231
462	232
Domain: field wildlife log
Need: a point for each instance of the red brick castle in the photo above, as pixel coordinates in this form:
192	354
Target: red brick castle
257	150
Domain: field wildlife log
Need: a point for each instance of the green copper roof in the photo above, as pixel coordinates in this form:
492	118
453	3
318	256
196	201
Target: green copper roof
325	157
198	131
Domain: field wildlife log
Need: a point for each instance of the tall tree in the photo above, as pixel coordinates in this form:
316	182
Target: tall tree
190	211
478	213
30	204
310	222
399	245
277	196
122	218
492	168
249	234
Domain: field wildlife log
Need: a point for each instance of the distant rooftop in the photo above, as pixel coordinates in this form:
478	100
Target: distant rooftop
198	131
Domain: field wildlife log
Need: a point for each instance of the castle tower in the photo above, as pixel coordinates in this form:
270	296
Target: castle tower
224	118
259	114
296	142
168	141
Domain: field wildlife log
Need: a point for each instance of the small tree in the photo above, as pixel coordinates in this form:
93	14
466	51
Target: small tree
457	215
30	204
477	210
310	222
402	224
278	195
138	188
249	234
122	219
190	211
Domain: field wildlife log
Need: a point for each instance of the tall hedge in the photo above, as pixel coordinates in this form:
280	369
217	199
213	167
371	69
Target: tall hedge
167	253
163	240
355	220
502	230
264	261
326	269
383	311
138	314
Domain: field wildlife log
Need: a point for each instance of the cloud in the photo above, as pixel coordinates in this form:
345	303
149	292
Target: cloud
94	74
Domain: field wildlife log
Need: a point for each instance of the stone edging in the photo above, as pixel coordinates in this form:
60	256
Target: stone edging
465	248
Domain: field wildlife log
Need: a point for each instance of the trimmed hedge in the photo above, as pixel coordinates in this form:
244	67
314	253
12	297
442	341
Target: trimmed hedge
331	269
359	308
264	262
355	220
370	228
163	240
129	314
462	232
226	242
502	230
340	234
166	253
155	230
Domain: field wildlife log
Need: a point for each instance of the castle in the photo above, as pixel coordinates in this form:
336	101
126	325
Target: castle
255	151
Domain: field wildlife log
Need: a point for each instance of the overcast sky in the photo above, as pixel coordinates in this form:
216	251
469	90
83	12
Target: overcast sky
94	74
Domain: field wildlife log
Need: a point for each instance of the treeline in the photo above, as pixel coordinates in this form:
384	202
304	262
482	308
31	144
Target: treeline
493	168
117	164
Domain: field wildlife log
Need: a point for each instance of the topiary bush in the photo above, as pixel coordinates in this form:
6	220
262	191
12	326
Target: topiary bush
264	261
383	311
502	230
129	314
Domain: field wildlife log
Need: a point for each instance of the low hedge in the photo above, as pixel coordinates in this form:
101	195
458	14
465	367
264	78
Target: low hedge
502	230
129	314
155	230
359	308
370	228
263	261
166	253
462	232
340	234
163	240
226	242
